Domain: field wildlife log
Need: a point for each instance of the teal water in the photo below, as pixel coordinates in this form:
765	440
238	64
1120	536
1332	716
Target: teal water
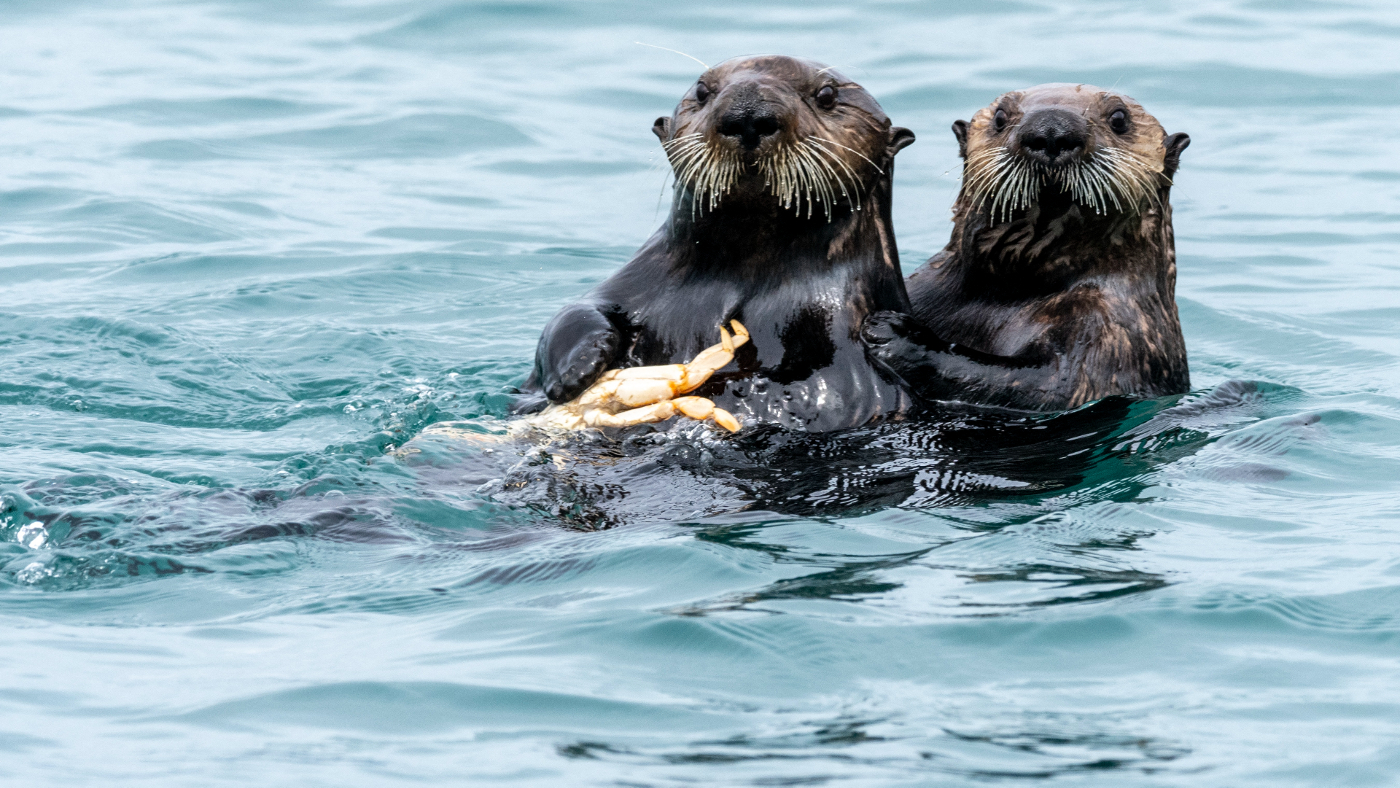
250	249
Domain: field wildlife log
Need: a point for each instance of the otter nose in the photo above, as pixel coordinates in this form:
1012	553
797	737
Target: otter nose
750	123
1053	135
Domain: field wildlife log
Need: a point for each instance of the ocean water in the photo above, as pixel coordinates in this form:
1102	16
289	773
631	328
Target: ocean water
250	250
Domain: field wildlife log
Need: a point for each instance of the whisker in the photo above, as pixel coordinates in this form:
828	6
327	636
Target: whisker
852	150
834	177
1111	180
814	167
856	181
676	51
804	175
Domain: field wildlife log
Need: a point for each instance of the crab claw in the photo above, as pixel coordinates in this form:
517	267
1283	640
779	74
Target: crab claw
711	359
726	420
700	409
741	334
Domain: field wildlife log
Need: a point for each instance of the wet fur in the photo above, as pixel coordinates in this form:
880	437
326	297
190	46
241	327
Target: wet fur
802	278
1060	304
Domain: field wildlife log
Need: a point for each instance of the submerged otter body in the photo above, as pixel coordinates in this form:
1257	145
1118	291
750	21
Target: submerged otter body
781	220
1057	286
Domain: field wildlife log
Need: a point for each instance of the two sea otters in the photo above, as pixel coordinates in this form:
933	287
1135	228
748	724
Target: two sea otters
1055	289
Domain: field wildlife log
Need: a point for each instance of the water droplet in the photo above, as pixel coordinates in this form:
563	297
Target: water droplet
33	573
33	536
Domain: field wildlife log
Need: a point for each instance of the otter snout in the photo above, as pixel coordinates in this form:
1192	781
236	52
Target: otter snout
1053	136
750	126
749	118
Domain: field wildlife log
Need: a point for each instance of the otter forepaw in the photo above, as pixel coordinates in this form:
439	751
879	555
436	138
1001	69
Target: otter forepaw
898	343
883	328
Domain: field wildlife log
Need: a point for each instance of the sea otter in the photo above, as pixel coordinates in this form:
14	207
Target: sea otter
781	222
1057	286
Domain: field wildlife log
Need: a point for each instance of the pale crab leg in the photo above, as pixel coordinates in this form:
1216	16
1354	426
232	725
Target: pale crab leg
650	394
700	409
684	378
650	414
630	393
697	408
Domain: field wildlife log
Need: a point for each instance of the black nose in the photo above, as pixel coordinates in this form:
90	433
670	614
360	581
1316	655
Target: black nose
750	123
1053	135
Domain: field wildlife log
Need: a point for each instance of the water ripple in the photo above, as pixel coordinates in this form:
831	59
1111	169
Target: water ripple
272	269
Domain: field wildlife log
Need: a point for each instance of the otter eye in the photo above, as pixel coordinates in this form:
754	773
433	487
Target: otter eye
999	120
1118	121
826	97
702	92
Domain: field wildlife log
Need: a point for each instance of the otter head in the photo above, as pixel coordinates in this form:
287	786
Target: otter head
1075	146
778	131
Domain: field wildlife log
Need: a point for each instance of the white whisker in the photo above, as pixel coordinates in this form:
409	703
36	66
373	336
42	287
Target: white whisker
852	150
676	51
856	181
804	176
1111	180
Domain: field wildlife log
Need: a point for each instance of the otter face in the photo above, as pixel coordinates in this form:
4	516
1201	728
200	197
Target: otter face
778	129
1099	147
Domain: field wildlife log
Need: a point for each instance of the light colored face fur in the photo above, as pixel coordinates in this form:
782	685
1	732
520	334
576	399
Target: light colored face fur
1100	147
789	128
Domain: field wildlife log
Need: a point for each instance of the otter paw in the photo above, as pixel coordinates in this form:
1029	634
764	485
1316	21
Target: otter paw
884	328
580	369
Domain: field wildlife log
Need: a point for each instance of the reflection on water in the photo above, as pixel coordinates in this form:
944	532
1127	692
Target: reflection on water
256	254
951	457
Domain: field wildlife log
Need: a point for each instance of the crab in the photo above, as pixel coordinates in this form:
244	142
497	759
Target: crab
647	395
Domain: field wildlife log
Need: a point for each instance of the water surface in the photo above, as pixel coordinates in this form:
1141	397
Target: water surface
250	249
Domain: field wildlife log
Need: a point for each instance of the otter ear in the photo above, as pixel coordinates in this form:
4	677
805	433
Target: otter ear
1174	145
900	138
662	128
960	131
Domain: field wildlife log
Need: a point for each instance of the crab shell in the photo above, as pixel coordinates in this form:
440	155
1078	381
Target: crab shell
647	395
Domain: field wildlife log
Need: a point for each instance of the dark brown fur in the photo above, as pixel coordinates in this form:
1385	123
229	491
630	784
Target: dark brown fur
1052	304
